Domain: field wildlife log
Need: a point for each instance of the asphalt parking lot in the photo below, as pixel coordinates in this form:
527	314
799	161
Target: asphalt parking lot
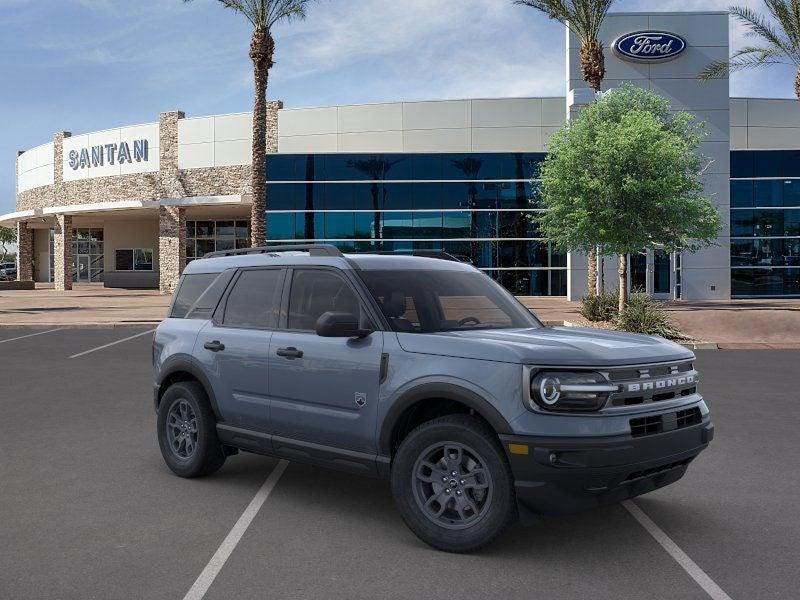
88	509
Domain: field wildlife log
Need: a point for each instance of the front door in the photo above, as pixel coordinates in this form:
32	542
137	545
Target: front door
651	272
324	390
83	269
232	348
638	271
662	273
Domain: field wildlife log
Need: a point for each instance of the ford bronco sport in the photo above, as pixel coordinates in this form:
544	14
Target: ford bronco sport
423	371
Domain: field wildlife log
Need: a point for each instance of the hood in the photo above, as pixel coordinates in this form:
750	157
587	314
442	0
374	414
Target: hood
549	346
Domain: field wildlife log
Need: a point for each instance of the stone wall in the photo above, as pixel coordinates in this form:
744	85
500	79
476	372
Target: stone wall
24	252
169	176
62	251
144	186
273	106
171	246
217	181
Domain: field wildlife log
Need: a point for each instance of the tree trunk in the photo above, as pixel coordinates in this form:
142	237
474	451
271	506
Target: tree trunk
592	277
797	84
623	282
593	70
601	276
262	48
593	64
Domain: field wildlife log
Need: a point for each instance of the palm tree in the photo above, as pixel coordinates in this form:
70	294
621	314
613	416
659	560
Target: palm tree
263	15
779	41
584	19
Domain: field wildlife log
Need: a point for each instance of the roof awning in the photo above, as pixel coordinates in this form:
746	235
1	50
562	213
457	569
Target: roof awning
13	218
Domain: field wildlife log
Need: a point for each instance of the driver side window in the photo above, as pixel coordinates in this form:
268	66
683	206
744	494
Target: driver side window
315	292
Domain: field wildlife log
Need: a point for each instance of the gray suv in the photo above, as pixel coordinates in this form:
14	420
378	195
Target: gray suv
423	371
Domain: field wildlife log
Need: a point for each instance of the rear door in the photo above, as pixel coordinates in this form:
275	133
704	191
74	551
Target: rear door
233	347
324	390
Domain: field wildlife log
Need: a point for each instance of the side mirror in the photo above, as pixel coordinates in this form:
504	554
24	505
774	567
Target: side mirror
338	324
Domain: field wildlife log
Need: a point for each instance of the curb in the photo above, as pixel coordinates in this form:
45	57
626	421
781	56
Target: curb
701	345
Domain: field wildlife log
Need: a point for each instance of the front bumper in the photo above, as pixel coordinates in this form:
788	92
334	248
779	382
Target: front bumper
565	475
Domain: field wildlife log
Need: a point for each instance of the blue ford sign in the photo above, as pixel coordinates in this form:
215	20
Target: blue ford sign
649	46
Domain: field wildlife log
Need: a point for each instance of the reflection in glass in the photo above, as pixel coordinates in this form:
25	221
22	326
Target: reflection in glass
396	202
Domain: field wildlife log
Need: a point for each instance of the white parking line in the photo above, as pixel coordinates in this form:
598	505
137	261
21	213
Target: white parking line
111	344
688	565
22	337
214	566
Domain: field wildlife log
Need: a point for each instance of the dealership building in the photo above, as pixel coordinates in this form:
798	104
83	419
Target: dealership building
130	206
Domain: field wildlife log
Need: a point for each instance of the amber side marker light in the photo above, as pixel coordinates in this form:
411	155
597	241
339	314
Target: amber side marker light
518	448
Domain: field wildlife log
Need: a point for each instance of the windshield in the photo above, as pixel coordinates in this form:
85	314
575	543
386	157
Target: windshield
431	301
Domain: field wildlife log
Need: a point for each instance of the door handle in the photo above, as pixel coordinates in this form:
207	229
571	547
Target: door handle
290	352
215	346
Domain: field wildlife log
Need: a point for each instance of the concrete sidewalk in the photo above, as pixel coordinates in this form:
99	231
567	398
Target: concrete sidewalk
738	324
731	324
85	306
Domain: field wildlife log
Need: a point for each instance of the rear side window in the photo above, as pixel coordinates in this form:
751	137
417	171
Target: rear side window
204	307
254	301
192	286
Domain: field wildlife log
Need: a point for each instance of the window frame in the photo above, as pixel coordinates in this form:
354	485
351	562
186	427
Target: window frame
374	317
218	318
133	260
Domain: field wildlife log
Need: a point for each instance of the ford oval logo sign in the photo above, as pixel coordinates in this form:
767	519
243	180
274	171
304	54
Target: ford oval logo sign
649	46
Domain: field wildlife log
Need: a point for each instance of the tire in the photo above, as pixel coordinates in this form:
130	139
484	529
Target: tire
486	504
200	453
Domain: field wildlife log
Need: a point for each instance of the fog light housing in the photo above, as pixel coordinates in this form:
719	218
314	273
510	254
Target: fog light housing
570	391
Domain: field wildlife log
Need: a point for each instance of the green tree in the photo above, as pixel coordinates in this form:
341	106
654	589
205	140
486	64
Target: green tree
263	15
7	236
626	175
584	19
778	37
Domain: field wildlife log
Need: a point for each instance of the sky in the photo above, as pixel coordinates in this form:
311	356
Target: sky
86	65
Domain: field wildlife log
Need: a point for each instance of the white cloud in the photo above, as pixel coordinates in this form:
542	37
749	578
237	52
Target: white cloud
451	48
420	48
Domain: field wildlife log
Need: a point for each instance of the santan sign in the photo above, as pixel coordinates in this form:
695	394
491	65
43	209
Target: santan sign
649	46
97	156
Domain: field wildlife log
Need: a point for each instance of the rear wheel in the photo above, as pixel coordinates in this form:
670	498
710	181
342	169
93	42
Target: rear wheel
452	484
187	432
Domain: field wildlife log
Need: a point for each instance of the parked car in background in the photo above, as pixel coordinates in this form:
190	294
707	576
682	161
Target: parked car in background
8	271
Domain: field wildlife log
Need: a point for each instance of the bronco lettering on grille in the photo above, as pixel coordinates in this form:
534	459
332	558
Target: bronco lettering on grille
661	384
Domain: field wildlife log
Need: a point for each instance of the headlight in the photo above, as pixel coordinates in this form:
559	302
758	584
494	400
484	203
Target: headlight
575	391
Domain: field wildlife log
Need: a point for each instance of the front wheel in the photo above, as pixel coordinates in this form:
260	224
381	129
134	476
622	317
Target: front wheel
187	432
452	484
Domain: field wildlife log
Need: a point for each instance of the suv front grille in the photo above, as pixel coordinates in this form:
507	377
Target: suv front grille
657	383
654	424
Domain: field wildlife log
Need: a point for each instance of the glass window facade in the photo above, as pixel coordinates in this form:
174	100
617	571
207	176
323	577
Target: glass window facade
210	236
765	223
133	259
476	206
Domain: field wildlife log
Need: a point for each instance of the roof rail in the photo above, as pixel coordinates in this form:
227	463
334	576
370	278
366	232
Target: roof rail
312	249
440	254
